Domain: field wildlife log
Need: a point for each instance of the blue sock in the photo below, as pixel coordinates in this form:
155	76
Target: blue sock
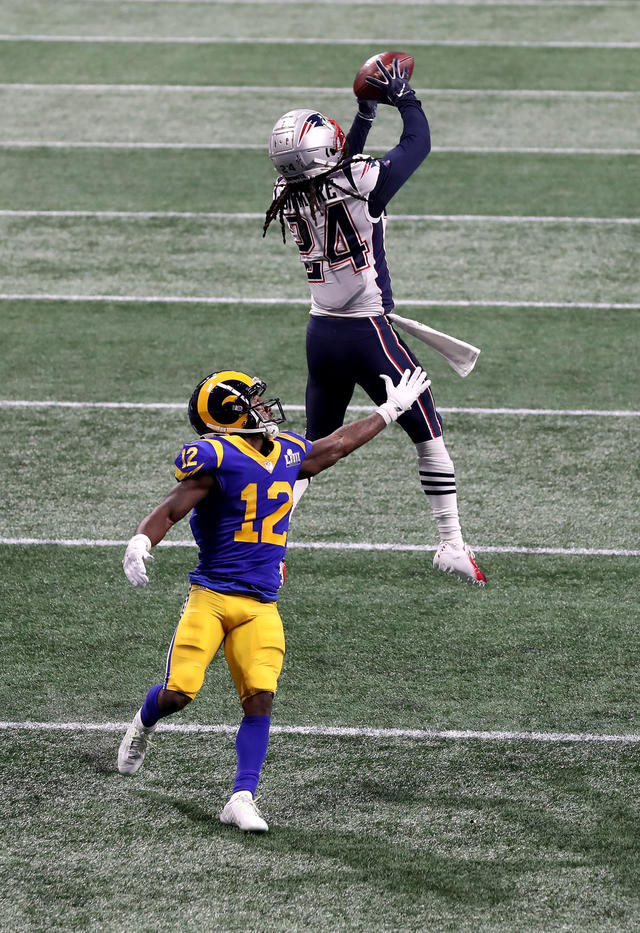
251	748
150	714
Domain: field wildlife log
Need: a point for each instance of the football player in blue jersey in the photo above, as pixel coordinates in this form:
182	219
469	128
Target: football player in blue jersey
237	480
333	201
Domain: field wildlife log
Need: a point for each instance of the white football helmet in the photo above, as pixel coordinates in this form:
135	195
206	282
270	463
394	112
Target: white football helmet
305	143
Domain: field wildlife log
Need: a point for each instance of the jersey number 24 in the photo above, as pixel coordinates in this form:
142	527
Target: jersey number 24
342	243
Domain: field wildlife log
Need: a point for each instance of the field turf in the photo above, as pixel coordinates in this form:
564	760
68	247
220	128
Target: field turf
444	758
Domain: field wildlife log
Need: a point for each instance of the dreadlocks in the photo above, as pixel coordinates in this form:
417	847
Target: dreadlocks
311	190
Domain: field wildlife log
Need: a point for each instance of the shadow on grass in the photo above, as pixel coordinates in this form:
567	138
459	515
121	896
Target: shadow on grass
368	859
396	868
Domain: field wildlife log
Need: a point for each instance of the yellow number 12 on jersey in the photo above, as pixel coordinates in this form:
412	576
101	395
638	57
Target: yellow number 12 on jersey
264	533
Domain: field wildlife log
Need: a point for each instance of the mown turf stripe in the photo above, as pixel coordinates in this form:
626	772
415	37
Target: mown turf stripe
163	179
259	147
336	732
340	546
238	215
402	3
319	40
400	302
312	89
179	406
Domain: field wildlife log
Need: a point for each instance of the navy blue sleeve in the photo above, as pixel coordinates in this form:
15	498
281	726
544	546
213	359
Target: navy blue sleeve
401	162
357	135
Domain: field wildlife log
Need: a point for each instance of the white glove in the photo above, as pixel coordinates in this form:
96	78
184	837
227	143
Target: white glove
401	397
133	562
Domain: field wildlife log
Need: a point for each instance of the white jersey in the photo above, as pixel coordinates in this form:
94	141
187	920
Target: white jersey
343	247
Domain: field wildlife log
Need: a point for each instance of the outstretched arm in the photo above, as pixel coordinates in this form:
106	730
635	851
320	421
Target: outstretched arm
397	165
157	523
362	123
328	450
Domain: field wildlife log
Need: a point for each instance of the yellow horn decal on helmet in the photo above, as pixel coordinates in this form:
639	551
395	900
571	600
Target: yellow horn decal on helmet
207	389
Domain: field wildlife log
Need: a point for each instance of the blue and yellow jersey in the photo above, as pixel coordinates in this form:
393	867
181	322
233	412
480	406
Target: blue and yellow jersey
241	526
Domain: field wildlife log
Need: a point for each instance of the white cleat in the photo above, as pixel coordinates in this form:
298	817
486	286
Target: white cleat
459	561
242	812
134	746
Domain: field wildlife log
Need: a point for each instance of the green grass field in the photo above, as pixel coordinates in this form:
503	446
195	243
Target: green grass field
443	758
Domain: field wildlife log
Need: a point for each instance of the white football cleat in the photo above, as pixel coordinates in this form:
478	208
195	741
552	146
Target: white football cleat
242	812
459	561
134	746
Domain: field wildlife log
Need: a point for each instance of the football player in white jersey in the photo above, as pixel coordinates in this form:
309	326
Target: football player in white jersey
333	201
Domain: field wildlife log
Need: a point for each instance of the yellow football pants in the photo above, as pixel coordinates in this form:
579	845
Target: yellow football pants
253	638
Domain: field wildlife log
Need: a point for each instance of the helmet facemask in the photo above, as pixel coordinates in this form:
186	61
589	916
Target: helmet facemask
263	420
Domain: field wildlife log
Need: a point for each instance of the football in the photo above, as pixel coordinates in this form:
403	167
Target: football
365	91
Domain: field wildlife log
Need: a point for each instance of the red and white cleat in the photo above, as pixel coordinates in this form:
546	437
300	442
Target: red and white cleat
459	561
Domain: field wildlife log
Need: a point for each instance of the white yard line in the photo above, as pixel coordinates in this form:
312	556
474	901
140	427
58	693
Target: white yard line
484	150
401	3
515	219
341	546
143	215
565	412
238	215
180	406
252	89
304	302
383	42
341	732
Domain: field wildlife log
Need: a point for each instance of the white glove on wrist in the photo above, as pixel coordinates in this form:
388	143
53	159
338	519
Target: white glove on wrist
401	397
133	562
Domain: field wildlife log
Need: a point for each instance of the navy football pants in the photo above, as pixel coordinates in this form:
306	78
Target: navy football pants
345	352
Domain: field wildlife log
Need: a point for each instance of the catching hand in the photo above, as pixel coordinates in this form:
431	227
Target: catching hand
133	562
394	84
401	397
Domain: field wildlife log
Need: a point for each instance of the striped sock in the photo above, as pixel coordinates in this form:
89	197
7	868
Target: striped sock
438	480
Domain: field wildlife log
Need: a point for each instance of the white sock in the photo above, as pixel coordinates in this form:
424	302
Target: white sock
438	480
